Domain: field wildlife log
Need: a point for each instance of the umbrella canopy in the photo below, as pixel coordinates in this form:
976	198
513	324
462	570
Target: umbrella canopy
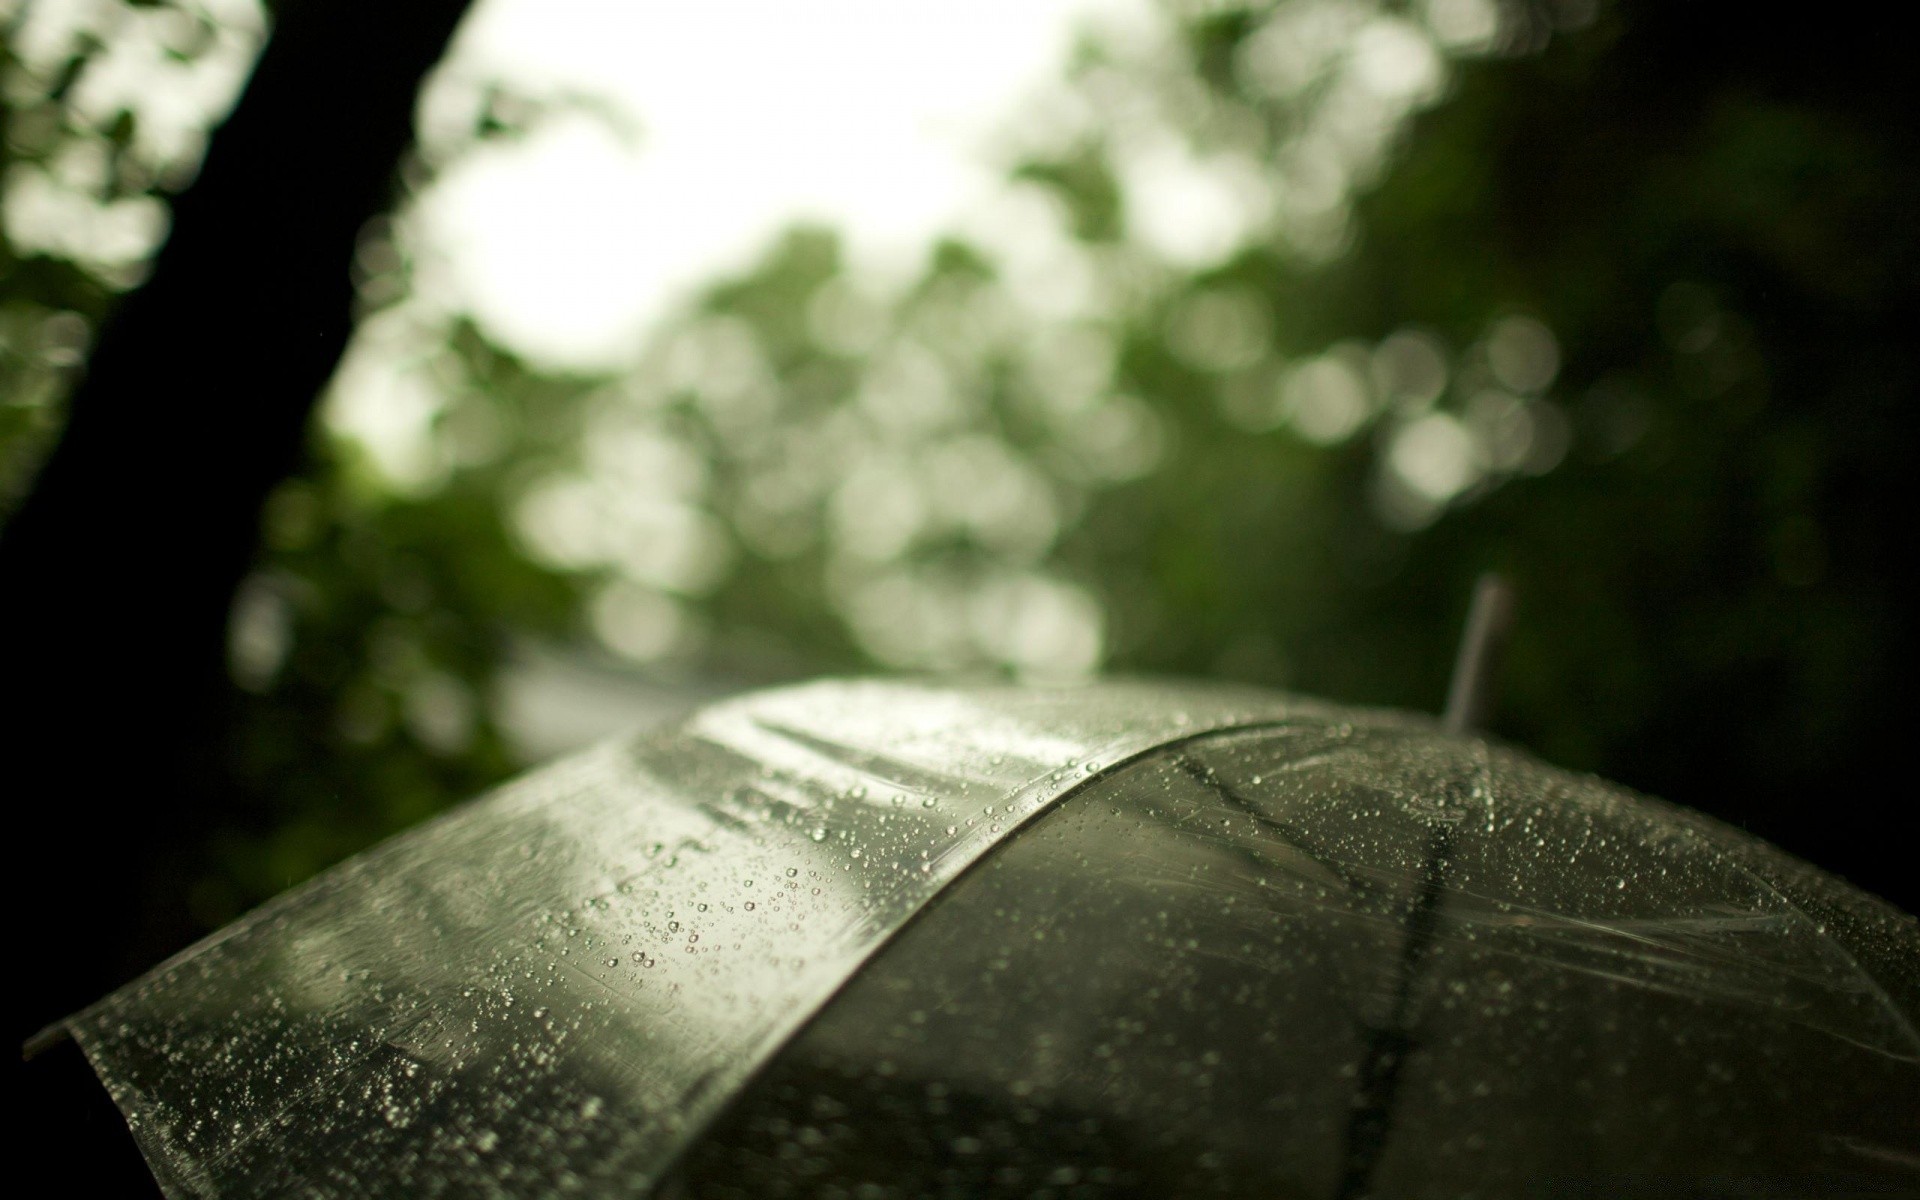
1130	938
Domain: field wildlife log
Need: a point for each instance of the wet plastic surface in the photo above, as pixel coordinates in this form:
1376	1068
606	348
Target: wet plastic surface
1331	962
1326	953
551	990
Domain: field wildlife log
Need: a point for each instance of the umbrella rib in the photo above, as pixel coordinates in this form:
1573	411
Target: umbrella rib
1293	837
1389	1044
1469	697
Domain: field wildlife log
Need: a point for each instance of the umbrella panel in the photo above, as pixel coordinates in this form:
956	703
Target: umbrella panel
551	990
1325	961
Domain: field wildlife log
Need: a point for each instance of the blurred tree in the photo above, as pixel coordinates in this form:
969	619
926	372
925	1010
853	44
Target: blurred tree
122	562
1606	297
1291	319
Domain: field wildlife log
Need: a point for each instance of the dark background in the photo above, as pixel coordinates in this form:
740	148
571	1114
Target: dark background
233	654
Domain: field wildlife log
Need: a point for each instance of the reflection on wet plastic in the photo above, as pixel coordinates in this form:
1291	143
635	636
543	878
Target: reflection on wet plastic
1339	962
1262	947
552	989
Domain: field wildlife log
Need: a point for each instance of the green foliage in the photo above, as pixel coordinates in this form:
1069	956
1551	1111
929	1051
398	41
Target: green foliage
82	168
1629	336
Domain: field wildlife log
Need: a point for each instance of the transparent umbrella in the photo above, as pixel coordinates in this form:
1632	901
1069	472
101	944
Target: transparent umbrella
1134	938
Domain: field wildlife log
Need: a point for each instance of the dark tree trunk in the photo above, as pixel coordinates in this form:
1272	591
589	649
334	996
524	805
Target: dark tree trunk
117	574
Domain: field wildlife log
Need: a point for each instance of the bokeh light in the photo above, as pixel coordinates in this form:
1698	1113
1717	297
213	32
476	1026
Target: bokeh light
710	345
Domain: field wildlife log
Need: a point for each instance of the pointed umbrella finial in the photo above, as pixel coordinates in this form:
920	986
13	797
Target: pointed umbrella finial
1470	697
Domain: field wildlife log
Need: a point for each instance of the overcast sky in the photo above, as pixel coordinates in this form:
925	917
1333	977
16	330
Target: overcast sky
732	119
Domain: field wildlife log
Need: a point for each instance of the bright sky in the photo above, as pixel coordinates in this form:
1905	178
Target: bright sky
743	116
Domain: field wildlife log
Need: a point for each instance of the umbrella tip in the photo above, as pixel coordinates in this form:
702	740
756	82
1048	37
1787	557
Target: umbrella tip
1470	696
53	1035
